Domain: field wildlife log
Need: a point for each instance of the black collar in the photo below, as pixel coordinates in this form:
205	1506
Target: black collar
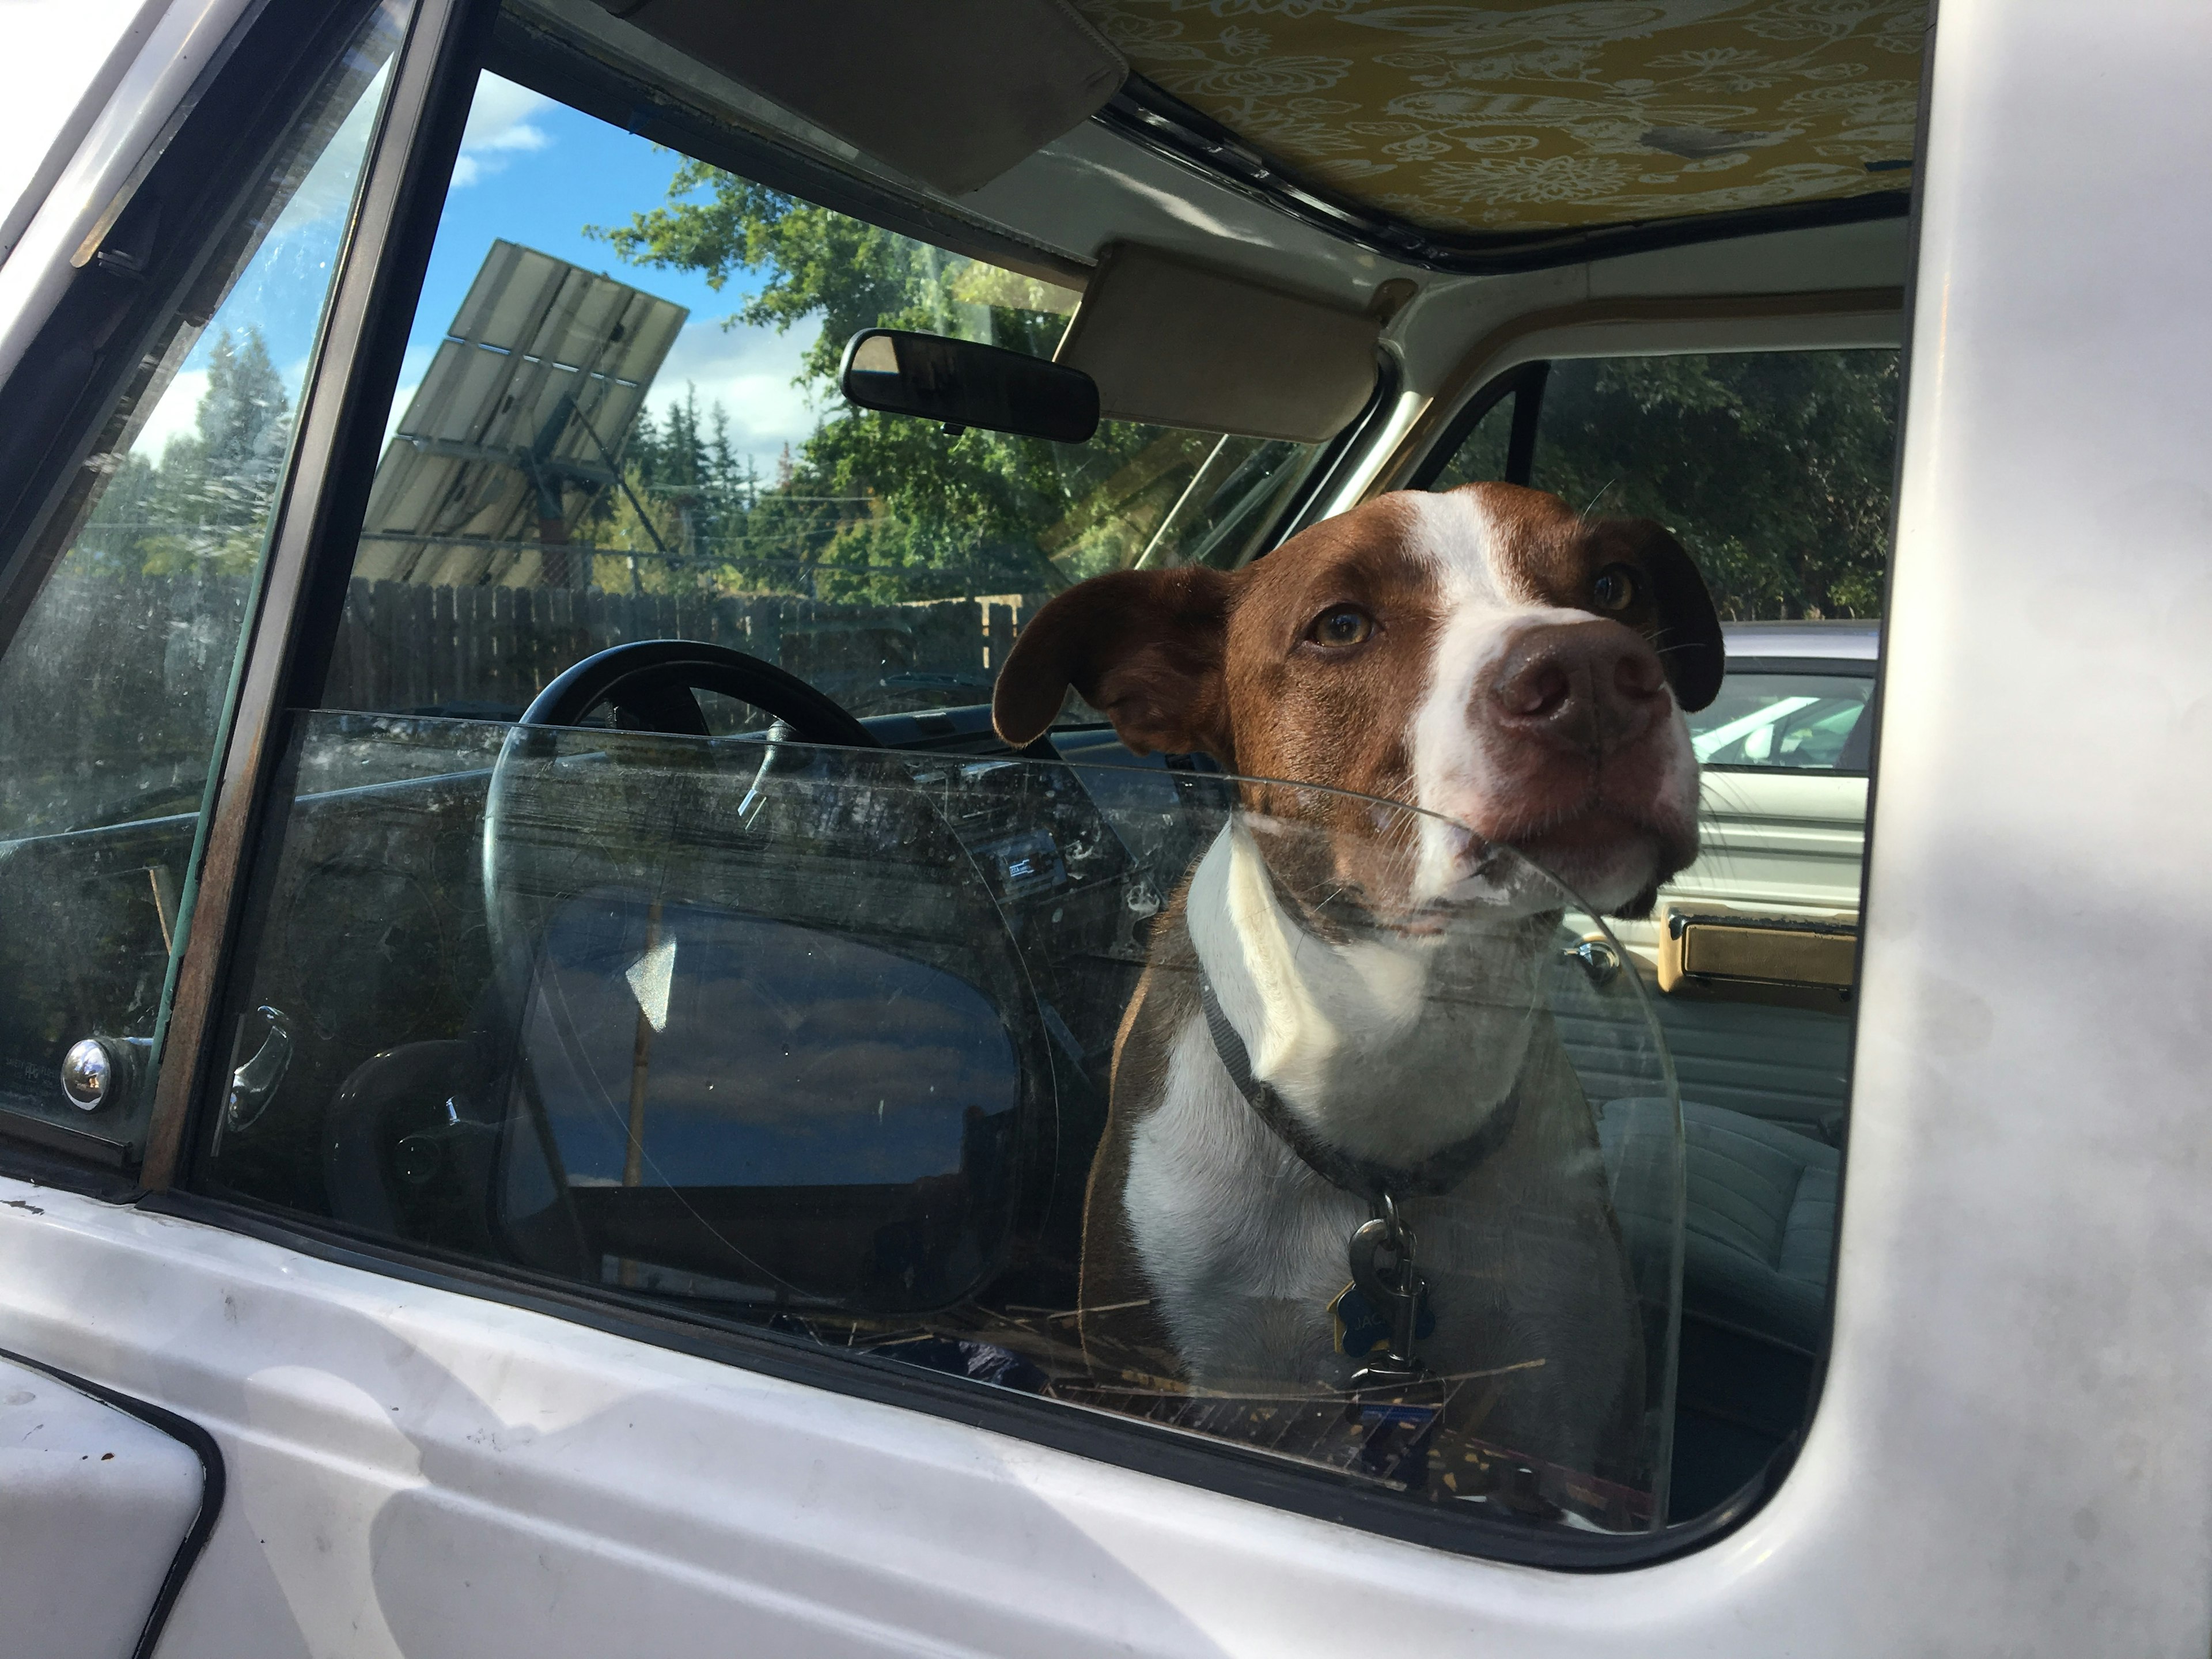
1439	1172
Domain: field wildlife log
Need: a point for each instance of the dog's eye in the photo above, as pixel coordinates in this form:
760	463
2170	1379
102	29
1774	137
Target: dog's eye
1615	588
1341	624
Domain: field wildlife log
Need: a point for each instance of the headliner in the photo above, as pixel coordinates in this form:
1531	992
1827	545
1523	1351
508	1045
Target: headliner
1528	116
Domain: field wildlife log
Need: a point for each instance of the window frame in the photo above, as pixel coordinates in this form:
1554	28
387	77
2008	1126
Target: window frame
1811	320
352	378
1524	384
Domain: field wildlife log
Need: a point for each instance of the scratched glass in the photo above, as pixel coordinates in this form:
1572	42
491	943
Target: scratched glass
1293	1119
115	681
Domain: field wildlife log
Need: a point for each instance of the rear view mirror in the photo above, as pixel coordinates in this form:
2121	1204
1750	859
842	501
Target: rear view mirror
963	383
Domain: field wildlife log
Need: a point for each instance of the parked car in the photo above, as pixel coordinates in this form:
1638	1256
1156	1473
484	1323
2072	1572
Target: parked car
551	1061
1784	752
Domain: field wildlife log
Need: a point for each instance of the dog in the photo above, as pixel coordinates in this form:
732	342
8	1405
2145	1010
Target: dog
1322	1001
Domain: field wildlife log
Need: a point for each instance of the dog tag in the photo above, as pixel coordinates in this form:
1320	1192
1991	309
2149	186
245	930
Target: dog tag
1362	1332
1383	1272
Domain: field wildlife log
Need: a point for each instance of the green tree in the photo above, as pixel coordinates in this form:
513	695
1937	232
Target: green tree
206	501
880	507
683	519
1773	468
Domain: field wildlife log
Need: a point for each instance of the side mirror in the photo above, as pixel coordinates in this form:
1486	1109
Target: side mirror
963	383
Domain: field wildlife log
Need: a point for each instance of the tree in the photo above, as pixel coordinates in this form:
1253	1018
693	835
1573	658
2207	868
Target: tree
879	506
206	503
695	496
1773	468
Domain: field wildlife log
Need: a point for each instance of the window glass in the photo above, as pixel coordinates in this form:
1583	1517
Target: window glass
1773	470
1773	467
1806	721
619	420
113	688
1482	456
815	1044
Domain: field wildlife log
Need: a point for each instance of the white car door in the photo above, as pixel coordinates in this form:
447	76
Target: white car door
107	1503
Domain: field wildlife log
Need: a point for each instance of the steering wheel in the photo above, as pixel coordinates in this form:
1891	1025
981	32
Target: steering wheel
650	684
566	812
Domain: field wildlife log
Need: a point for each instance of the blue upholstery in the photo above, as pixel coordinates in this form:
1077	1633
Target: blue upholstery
1760	1225
1789	1066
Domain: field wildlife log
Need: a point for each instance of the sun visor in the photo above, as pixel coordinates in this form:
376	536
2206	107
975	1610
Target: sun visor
1177	344
952	93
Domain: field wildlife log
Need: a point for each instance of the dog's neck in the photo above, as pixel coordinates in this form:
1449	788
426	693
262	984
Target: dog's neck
1385	1045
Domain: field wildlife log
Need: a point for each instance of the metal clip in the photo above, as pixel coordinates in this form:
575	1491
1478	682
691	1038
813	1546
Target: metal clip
1383	1251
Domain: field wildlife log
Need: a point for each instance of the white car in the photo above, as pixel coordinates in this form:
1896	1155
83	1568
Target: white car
1783	752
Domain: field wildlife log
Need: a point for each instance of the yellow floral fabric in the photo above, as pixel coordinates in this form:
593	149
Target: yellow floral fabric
1519	116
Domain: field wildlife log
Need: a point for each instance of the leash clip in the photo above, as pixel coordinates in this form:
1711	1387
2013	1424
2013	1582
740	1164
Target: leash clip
1382	1267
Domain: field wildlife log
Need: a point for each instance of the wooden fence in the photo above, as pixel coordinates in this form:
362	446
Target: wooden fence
485	651
113	692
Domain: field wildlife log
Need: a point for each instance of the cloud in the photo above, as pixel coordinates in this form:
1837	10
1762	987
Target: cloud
412	368
499	126
179	410
173	415
750	372
326	192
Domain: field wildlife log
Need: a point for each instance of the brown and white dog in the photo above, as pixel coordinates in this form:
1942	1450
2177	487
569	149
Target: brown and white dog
1486	655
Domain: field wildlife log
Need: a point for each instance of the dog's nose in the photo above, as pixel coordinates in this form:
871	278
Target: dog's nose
1593	687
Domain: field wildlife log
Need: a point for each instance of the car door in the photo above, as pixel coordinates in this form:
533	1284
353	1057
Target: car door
125	606
460	1433
110	1500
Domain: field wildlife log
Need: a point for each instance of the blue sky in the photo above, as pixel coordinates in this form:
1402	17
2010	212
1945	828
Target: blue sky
536	172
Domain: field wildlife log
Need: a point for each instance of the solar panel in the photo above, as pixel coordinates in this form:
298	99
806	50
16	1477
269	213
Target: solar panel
520	422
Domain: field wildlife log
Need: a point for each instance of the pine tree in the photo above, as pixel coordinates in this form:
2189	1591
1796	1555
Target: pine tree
206	503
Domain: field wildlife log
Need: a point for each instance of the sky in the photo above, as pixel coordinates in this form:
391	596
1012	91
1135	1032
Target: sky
536	172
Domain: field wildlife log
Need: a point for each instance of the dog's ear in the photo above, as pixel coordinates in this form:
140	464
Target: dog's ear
1145	647
1689	641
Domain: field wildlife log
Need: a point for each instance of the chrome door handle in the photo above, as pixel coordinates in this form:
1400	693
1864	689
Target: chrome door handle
253	1085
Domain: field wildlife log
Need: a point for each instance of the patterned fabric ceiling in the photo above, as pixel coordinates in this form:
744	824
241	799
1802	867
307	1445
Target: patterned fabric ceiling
1525	117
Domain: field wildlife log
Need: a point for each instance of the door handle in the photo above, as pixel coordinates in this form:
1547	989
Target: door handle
253	1085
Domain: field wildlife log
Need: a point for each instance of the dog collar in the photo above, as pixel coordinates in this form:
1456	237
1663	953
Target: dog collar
1439	1172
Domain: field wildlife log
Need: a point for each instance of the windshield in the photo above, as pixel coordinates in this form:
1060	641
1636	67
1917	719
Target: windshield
620	420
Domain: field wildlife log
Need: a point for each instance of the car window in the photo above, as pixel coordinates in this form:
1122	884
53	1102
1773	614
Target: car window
619	420
1802	721
1775	466
1774	469
115	685
815	1046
